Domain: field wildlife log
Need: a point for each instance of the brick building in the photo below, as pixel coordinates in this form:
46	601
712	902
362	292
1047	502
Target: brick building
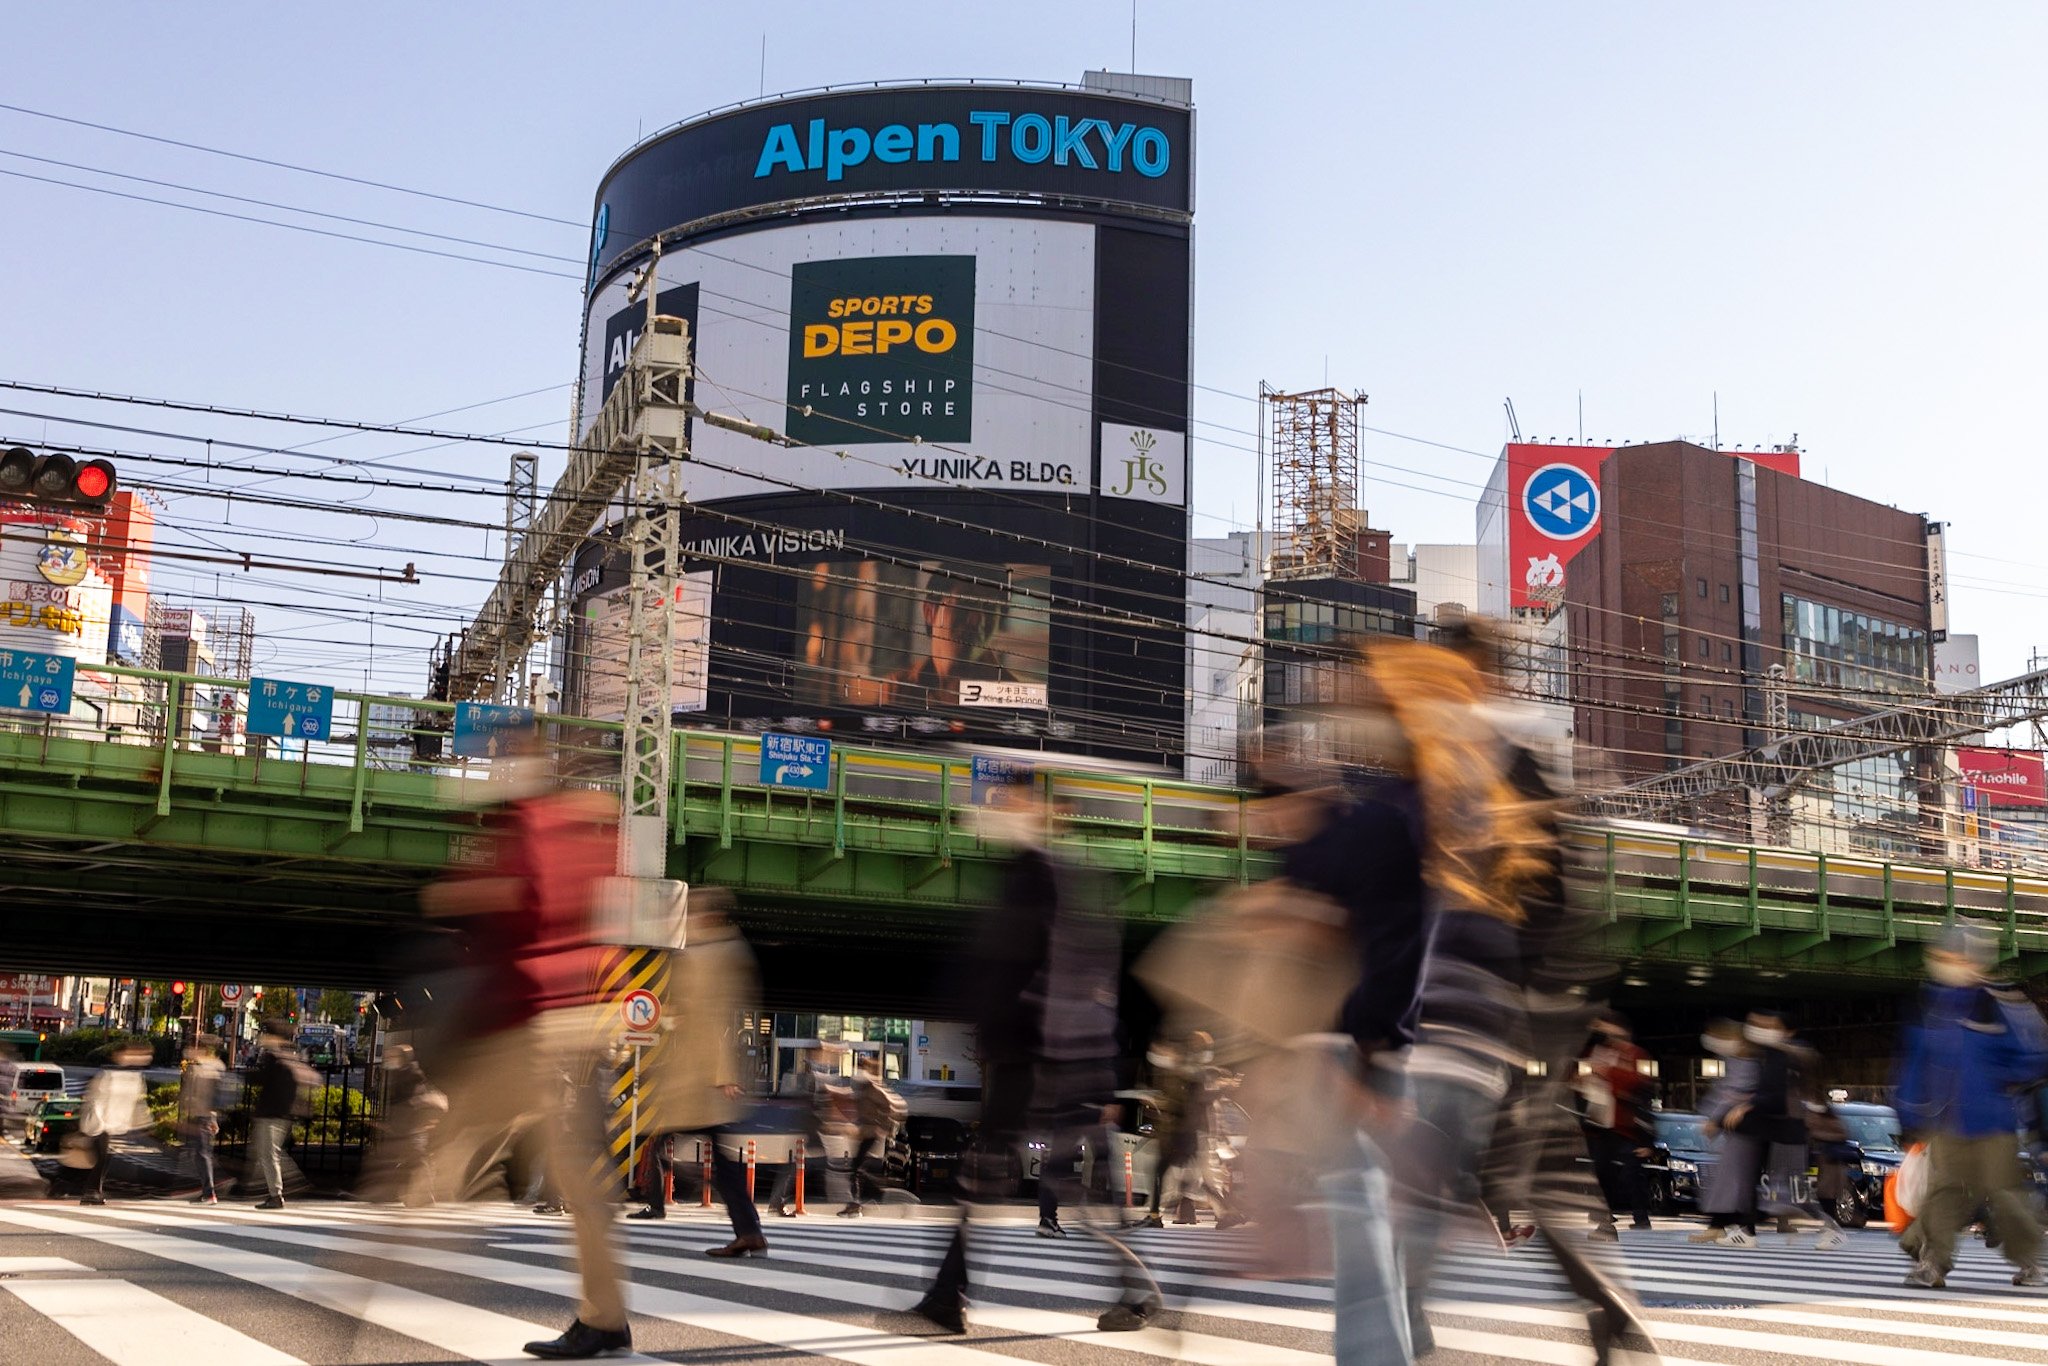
1707	570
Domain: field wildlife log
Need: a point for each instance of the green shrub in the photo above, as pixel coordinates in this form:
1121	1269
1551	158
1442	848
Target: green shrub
332	1105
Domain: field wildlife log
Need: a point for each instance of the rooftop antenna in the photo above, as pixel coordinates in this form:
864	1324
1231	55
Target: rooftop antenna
1134	37
1717	419
764	64
1582	417
1514	426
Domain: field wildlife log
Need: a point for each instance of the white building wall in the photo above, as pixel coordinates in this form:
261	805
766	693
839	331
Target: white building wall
1223	623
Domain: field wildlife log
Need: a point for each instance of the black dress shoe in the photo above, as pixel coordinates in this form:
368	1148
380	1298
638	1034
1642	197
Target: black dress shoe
746	1245
946	1311
581	1341
649	1213
1127	1317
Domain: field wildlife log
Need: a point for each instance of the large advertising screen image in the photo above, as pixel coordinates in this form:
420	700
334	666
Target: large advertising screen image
876	635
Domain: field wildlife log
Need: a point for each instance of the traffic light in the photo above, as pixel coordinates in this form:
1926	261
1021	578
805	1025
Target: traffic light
56	481
177	988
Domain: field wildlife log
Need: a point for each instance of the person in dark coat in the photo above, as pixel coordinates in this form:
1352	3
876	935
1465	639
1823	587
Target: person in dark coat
276	1080
1043	978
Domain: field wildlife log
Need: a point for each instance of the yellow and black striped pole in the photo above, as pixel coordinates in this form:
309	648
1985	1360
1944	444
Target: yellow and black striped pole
621	971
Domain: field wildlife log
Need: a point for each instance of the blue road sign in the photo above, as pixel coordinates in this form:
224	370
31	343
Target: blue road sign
484	731
1561	501
993	773
303	711
796	761
33	681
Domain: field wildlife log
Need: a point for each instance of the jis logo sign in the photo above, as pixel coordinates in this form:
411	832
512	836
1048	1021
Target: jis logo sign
1144	464
1561	501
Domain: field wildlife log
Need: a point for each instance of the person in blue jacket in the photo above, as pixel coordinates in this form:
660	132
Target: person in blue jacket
1977	1044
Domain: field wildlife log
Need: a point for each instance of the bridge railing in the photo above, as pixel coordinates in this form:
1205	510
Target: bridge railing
389	749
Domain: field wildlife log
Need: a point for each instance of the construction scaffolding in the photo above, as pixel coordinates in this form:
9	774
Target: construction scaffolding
1311	444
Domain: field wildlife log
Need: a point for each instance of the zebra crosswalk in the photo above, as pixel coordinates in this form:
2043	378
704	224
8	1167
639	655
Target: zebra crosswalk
329	1285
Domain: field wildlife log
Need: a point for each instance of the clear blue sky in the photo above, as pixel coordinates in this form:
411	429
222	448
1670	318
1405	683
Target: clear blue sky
1832	214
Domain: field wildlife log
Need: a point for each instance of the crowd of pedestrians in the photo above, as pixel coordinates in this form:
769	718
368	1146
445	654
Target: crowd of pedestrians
1408	1013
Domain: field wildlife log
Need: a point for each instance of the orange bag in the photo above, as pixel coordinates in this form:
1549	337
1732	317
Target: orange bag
1903	1188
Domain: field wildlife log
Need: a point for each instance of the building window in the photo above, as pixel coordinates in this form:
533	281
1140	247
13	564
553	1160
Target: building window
1702	586
1706	648
1836	648
1670	605
1727	652
1724	592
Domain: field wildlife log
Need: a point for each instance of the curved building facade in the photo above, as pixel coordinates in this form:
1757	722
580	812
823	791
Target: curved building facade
968	308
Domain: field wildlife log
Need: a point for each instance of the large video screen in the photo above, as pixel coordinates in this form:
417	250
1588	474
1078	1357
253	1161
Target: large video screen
930	637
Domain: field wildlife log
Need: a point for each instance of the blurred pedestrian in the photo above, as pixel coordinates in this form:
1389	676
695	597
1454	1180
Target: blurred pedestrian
399	1167
1786	1069
807	1084
1618	1091
1532	1161
696	1076
282	1082
1041	984
878	1113
1976	1044
1728	1190
116	1104
528	927
199	1098
1185	1073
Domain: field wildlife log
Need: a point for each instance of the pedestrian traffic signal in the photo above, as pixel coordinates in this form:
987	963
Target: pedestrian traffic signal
56	480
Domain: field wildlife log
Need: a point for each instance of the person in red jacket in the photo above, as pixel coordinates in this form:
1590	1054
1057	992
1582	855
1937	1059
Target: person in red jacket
1618	1091
529	925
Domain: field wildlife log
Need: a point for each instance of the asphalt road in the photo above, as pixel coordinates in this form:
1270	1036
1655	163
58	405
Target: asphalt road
339	1283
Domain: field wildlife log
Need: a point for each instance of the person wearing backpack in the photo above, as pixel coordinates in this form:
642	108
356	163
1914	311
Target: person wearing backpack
282	1092
879	1113
1976	1045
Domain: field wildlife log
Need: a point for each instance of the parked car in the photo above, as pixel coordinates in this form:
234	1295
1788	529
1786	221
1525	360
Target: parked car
934	1148
1682	1155
959	1100
25	1085
47	1124
1875	1153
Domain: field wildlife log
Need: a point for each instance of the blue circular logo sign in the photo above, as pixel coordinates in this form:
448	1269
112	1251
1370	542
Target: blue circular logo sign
1561	501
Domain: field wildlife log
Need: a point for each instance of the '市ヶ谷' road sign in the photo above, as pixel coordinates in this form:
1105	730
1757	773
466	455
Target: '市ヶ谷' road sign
1561	501
302	711
641	1011
483	731
992	773
33	681
796	761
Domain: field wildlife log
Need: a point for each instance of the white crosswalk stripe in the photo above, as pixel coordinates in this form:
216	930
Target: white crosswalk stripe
475	1282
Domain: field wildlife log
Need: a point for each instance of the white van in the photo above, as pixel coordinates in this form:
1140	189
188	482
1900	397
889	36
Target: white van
25	1085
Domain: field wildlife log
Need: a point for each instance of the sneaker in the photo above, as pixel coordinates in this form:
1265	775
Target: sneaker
1517	1236
204	1200
1605	1233
850	1212
786	1211
551	1207
272	1203
1830	1239
1232	1220
1050	1228
1925	1276
93	1200
650	1212
1707	1235
1739	1237
1150	1221
2029	1276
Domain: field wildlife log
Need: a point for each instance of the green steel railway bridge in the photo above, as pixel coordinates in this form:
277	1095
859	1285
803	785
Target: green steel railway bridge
173	853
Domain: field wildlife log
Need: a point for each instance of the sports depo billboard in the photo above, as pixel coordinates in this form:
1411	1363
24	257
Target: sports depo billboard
915	352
